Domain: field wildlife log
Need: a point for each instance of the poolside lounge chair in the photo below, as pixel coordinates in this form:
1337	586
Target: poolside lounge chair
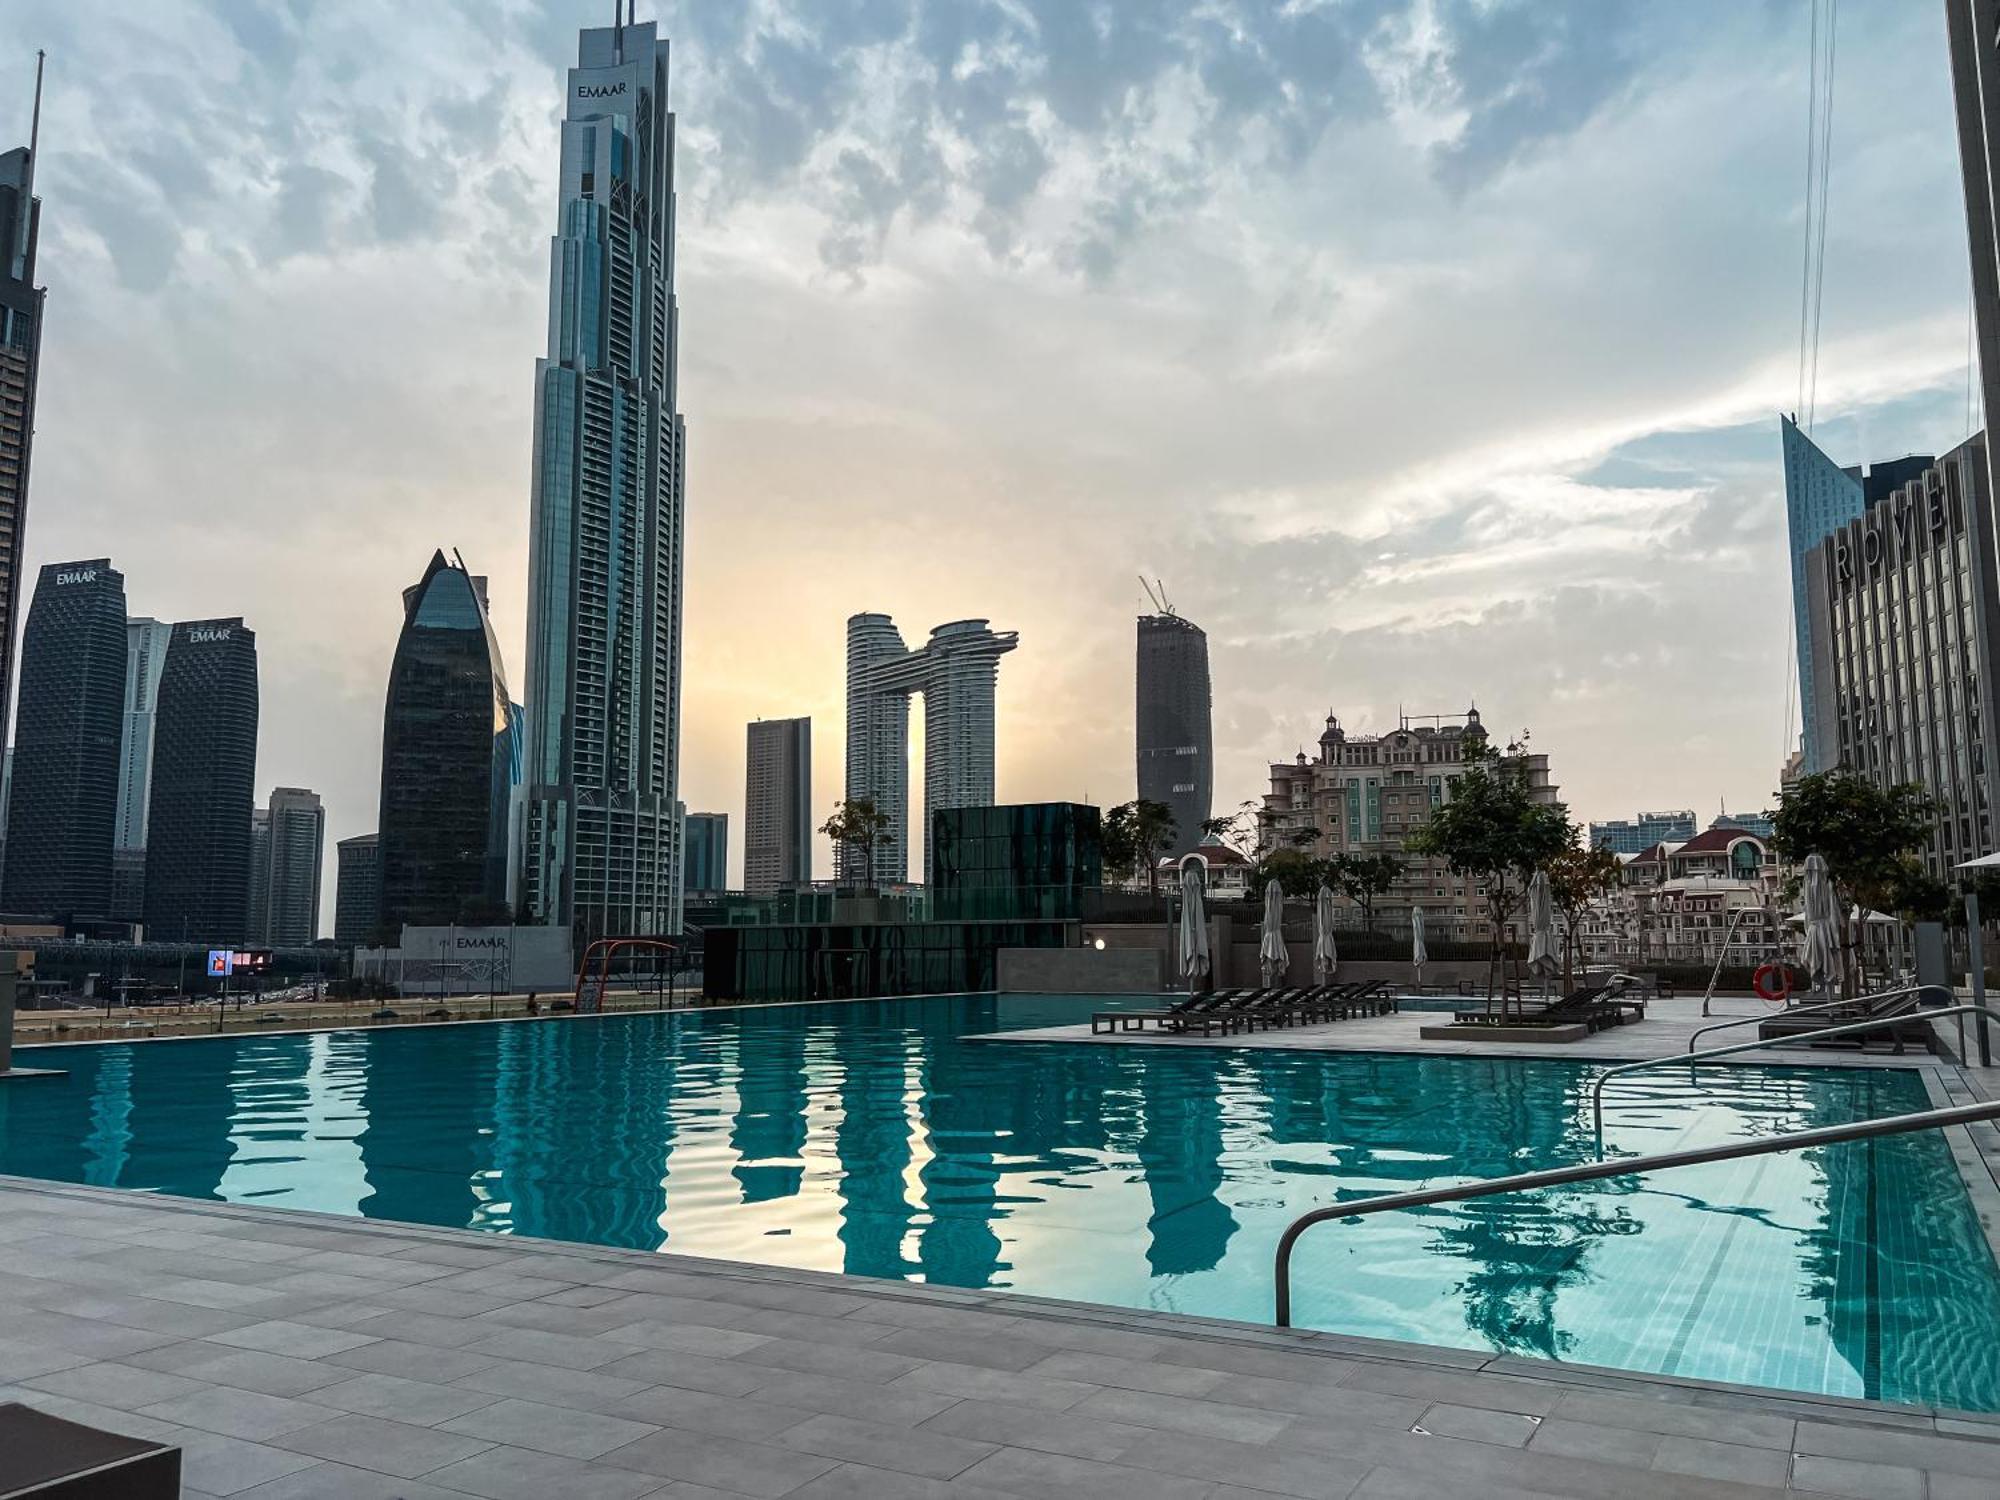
1595	1006
1104	1021
1901	1016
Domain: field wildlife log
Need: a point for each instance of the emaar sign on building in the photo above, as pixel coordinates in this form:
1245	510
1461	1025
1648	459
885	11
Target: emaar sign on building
473	961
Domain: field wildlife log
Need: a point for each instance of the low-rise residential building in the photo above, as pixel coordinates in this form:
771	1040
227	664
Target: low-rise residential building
1689	902
1367	794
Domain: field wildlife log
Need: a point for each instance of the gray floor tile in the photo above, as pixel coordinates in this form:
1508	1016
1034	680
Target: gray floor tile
1390	1483
419	1402
1055	1476
863	1363
300	1340
537	1347
1184	1414
1863	1481
1612	1445
1710	1460
1046	1392
25	1361
1127	1374
327	1481
90	1414
520	1474
1675	1419
124	1387
755	1420
562	1430
242	1414
1280	1471
1963	1487
995	1353
723	1463
1920	1450
722	1343
862	1482
421	1328
274	1374
411	1361
906	1450
218	1465
89	1336
179	1318
693	1372
384	1446
1050	1431
587	1390
897	1405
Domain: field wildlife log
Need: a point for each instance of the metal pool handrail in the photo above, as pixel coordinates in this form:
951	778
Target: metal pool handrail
1930	1119
1876	1024
1818	1005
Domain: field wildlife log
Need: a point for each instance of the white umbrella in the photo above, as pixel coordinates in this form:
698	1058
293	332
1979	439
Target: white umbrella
1542	957
1326	957
1822	921
1273	957
1418	957
1194	922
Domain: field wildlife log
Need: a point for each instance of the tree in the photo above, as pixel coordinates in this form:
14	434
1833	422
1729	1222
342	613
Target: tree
856	826
1136	833
1241	830
1294	869
1577	877
1364	879
1492	829
1867	834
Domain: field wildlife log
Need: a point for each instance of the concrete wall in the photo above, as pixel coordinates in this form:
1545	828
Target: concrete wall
1081	971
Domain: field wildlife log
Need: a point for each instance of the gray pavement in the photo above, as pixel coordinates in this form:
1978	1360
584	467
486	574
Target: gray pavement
295	1356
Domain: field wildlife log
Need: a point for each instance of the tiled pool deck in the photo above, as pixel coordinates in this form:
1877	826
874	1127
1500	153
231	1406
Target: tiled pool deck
299	1355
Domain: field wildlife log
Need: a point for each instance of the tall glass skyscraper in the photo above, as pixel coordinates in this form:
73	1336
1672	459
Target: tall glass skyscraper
20	371
450	759
1173	723
204	772
64	800
288	844
599	836
145	659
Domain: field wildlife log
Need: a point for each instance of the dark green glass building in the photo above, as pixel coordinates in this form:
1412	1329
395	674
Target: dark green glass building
1015	862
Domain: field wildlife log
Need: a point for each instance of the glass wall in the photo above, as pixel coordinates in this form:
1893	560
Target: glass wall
1029	860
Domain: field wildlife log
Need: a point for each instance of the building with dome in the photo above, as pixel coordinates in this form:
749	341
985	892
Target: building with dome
1367	793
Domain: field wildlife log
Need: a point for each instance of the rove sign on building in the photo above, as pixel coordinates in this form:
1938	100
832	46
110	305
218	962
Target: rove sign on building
598	836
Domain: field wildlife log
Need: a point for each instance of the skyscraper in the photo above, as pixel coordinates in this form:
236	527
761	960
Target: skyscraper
450	759
706	838
1173	723
357	897
145	658
204	770
20	372
288	840
1972	26
957	671
599	835
777	805
64	803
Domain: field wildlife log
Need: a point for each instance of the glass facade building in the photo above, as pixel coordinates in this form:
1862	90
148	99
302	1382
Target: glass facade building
599	835
450	759
357	895
64	799
204	774
145	659
1637	835
777	805
812	962
1906	625
707	840
21	303
288	844
1022	860
1173	724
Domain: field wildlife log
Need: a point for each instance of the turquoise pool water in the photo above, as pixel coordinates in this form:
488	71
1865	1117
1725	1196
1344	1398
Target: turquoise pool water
871	1138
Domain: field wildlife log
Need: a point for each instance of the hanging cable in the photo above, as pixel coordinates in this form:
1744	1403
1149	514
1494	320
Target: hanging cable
1825	157
1812	155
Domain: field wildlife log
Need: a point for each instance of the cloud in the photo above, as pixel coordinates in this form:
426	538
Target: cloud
1429	349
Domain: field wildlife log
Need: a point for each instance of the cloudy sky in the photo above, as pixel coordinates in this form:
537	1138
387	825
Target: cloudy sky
1431	351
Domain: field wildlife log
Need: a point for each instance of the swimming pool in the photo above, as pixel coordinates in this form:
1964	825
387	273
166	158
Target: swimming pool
871	1138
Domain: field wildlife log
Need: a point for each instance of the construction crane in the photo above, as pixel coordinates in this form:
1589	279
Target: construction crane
1157	592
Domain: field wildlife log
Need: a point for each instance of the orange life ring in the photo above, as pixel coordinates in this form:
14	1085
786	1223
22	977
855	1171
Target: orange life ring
1772	982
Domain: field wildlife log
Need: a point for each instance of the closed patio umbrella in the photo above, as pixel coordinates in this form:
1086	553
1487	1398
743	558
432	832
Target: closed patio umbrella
1326	957
1194	923
1418	958
1542	956
1822	924
1273	958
